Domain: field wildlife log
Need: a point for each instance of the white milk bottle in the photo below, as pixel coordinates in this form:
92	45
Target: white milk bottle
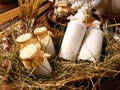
73	37
32	58
92	44
45	40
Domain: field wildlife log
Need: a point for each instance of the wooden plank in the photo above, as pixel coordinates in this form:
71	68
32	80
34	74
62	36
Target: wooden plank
6	16
42	1
43	8
7	7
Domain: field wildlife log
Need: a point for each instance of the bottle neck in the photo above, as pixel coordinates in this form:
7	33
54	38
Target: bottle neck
81	14
96	24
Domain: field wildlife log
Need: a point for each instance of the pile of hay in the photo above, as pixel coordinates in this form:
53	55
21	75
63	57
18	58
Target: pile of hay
82	75
66	75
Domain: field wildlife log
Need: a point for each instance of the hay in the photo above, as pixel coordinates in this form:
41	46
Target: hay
66	75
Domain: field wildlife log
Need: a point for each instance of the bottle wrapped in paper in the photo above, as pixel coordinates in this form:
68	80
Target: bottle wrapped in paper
32	58
45	40
92	45
72	39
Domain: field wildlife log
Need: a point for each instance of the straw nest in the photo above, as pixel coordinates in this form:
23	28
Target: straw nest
74	75
66	75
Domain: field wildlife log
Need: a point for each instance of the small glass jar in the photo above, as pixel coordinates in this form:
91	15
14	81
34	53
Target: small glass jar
45	40
32	58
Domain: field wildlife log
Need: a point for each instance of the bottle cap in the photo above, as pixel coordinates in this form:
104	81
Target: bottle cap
24	37
28	52
40	30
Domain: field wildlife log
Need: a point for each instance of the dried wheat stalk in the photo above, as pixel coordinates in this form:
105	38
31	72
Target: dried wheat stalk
29	11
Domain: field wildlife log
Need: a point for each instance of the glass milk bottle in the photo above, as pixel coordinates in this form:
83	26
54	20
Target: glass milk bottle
92	45
45	40
72	39
32	58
